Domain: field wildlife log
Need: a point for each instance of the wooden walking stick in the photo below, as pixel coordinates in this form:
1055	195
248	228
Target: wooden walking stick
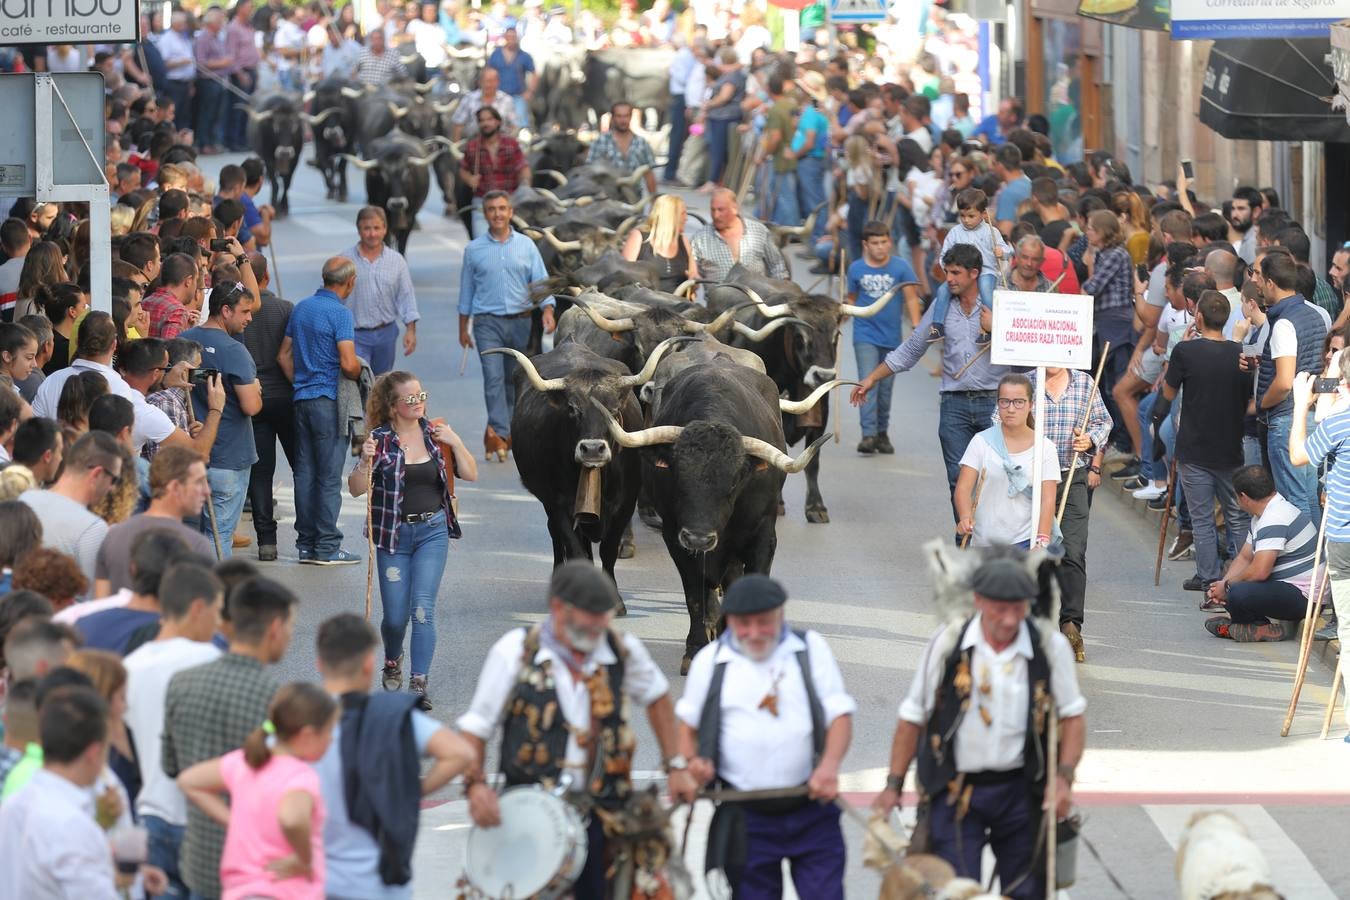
1073	465
974	505
210	505
1052	799
370	542
276	270
1331	702
1314	609
1166	520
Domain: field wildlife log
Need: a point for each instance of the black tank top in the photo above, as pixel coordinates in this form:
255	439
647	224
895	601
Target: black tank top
422	492
673	270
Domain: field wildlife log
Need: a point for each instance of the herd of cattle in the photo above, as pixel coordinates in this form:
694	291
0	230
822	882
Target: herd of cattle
681	411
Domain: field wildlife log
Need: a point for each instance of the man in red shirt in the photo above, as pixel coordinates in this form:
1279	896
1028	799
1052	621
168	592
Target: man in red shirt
492	162
173	308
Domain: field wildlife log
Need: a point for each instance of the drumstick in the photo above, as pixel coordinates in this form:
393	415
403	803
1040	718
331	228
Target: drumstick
1073	466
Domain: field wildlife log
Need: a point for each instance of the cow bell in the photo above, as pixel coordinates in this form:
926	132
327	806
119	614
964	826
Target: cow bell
586	510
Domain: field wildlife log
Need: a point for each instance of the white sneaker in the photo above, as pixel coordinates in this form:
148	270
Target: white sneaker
1151	491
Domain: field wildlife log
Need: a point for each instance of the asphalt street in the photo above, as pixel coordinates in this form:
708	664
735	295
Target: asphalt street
1177	720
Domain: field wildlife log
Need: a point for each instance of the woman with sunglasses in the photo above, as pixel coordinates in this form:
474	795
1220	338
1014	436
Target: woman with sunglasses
1005	454
412	517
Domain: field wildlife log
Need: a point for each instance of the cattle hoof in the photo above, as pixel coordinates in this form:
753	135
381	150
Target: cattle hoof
627	549
621	609
342	196
818	515
684	664
782	510
650	518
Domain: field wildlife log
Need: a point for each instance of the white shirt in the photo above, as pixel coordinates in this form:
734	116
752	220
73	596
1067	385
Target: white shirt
998	746
696	87
149	669
175	45
1000	519
429	39
288	36
643	683
1284	337
151	423
50	846
757	749
77	611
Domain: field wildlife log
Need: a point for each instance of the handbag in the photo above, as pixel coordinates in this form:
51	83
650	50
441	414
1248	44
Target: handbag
449	455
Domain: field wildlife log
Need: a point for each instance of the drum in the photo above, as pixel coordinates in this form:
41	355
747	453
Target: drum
537	851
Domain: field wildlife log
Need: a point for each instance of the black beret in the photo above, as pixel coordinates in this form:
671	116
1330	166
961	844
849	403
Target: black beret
753	593
579	583
1003	579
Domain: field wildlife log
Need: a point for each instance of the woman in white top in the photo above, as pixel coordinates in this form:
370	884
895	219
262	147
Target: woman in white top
1004	453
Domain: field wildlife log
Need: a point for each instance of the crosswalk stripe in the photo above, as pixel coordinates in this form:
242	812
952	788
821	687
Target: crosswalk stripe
1294	874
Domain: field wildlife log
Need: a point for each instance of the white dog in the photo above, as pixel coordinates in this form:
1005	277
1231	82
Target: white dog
1217	860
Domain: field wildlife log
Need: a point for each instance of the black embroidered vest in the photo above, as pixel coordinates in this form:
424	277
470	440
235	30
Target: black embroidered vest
534	732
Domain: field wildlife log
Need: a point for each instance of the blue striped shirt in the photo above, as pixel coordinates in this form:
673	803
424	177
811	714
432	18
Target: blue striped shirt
1330	440
1289	532
496	276
383	291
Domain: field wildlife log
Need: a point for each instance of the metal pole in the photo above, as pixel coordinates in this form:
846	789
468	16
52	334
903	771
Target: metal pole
1038	454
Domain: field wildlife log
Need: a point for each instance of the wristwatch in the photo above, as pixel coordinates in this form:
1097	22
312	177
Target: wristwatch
1067	773
1095	470
895	783
677	763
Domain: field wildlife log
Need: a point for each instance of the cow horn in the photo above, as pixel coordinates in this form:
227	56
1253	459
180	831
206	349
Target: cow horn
352	93
715	325
759	334
442	108
689	285
771	312
519	223
256	116
456	149
555	175
533	234
307	97
319	119
613	326
424	89
697	217
398	112
540	382
867	312
365	165
583	201
628	223
797	407
653	359
424	161
777	458
409	59
638	173
549	195
561	246
646	437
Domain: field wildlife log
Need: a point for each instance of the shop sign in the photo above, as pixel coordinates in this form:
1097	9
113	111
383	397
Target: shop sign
1259	19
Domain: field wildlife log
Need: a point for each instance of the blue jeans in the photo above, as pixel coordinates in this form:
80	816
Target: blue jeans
1157	471
784	200
180	92
377	347
236	119
679	130
409	581
229	489
1297	484
1203	486
210	109
165	840
522	111
719	138
961	416
876	409
811	191
320	448
943	298
499	386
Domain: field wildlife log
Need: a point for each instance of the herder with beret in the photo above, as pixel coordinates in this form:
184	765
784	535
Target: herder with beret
560	689
764	709
975	718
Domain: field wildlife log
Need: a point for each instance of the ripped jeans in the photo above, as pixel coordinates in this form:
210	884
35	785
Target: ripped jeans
409	581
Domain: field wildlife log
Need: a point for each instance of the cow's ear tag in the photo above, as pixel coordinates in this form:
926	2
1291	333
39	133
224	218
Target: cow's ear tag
662	464
616	338
761	466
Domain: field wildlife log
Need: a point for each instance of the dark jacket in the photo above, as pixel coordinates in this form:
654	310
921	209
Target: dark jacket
382	777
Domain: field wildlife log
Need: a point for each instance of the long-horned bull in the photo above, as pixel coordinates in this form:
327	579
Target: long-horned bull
276	134
561	444
800	363
334	125
715	460
397	180
632	338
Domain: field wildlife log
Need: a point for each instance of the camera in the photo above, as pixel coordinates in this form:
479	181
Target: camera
221	245
201	376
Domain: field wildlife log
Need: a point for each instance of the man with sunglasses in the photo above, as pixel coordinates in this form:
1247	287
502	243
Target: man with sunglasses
93	468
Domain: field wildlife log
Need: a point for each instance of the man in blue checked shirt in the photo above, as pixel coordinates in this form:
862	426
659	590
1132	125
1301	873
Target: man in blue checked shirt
494	295
383	297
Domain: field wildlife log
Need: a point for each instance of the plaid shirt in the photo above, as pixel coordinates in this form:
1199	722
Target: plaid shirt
387	481
209	710
606	151
172	403
379	70
758	254
1112	281
1062	416
500	173
466	112
168	317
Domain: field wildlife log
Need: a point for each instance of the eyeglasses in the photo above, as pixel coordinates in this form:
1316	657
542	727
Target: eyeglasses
116	479
1012	403
414	399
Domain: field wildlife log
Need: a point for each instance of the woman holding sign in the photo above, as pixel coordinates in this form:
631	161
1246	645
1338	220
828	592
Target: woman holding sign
1005	455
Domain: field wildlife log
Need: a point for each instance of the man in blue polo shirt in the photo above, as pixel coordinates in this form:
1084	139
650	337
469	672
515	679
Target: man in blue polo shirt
319	348
994	128
516	68
494	295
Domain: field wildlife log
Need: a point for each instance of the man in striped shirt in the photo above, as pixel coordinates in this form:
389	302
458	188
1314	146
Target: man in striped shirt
383	297
1265	589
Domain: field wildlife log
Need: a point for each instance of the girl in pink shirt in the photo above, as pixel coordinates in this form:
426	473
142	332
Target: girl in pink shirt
274	821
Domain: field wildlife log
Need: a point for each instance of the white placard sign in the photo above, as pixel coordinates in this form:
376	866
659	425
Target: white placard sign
1245	19
1033	329
68	21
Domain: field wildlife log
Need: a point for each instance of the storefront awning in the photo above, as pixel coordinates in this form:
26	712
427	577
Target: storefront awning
1272	90
1146	15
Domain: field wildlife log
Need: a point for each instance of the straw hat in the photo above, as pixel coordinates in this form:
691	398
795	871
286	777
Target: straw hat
813	84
